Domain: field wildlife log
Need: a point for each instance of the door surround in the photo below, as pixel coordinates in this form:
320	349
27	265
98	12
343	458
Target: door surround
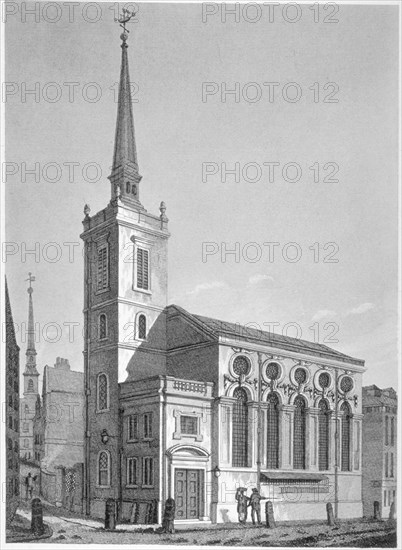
189	457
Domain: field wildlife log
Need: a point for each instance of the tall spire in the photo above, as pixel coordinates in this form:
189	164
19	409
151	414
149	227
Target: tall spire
30	367
125	177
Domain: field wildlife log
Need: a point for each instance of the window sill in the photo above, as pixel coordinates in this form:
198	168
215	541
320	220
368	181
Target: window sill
181	435
148	486
132	486
148	439
97	292
100	411
149	292
103	339
132	440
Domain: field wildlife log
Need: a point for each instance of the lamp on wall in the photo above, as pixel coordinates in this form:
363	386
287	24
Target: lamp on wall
104	436
216	471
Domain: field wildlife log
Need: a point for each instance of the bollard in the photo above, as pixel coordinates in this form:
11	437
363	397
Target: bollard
110	514
330	514
168	516
269	515
37	526
377	516
391	512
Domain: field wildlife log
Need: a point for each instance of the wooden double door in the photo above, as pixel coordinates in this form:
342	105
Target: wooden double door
189	493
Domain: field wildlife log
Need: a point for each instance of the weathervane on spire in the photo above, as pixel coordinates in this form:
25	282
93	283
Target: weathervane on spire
122	20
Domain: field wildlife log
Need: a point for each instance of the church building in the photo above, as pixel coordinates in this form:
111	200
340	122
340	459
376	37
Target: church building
190	407
31	387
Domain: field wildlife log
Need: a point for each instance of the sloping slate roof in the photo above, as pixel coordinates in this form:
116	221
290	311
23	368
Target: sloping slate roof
64	380
247	334
373	401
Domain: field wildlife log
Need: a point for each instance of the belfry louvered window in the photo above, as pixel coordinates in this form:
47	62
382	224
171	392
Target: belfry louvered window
103	268
299	434
345	434
142	268
273	431
240	429
323	435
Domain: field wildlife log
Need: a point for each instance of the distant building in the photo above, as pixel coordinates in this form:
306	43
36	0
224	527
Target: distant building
58	428
12	404
380	408
31	382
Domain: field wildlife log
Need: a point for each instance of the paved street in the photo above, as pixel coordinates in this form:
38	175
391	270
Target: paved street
69	529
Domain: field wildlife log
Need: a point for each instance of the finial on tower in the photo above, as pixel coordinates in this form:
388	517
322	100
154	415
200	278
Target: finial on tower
31	280
163	217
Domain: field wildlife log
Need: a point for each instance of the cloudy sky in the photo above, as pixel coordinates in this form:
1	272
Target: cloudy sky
303	153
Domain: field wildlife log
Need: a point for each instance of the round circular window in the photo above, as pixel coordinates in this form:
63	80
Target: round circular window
346	384
324	380
241	365
273	371
300	375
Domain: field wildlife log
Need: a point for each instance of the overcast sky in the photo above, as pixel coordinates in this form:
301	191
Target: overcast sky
350	137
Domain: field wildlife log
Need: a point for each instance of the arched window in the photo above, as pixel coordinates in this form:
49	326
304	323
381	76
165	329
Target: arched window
323	435
299	434
345	435
392	430
30	385
128	187
134	190
142	327
273	431
102	326
103	392
240	429
104	469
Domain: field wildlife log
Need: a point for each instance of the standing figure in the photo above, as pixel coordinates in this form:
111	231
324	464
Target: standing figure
254	502
28	486
168	517
242	501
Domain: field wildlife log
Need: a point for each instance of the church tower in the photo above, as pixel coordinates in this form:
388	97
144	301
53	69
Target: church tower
125	295
31	383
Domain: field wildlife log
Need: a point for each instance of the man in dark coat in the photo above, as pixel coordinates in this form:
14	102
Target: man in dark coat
29	483
242	501
254	502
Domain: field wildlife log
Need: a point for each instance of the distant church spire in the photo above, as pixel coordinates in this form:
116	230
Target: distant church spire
125	177
30	367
